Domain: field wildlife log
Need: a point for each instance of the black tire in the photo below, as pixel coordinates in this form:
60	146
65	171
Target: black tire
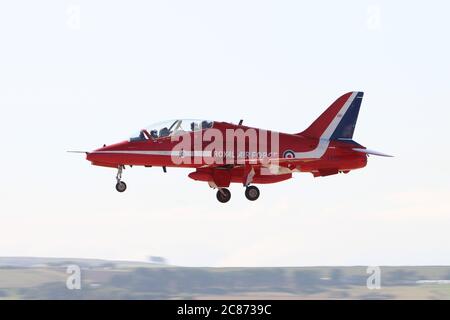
223	195
252	193
121	186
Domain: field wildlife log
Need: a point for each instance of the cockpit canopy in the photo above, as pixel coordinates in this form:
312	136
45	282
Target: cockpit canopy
171	127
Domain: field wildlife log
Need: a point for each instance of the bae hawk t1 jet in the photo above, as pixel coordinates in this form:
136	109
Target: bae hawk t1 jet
221	153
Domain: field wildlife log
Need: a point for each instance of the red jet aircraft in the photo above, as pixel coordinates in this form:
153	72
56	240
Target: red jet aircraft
222	153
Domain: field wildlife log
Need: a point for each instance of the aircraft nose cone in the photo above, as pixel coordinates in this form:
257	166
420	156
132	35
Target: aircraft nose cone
95	156
90	156
105	156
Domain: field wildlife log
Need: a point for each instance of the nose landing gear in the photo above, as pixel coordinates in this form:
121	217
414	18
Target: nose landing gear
120	185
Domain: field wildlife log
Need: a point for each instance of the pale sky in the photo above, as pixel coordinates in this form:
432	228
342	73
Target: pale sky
76	74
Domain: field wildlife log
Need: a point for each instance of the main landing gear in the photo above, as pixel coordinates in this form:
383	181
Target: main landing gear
251	193
223	195
120	185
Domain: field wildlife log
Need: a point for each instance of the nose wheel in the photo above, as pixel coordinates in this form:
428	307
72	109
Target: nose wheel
251	193
223	195
120	185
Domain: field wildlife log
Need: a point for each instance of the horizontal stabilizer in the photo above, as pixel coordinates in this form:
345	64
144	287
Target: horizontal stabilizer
373	152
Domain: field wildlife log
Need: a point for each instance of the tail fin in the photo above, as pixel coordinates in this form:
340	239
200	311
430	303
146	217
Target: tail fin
339	120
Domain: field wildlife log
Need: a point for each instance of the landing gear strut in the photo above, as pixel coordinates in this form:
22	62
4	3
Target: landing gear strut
120	185
251	193
223	195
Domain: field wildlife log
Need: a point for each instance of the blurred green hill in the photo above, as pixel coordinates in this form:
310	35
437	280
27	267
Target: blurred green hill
45	278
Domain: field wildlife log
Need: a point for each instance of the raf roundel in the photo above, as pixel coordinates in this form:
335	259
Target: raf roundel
289	154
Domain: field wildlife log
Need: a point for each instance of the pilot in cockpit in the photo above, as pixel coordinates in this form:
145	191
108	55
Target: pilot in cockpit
194	126
154	134
206	124
164	132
